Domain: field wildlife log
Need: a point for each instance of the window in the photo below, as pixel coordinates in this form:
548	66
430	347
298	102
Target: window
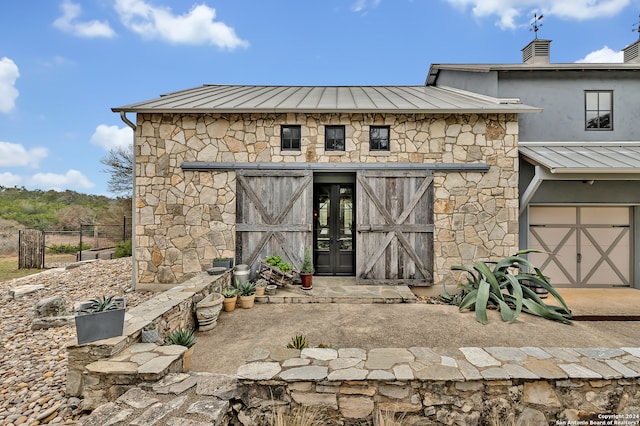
334	138
290	138
379	138
598	110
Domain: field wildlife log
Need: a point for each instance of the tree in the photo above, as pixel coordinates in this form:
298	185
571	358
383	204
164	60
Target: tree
119	164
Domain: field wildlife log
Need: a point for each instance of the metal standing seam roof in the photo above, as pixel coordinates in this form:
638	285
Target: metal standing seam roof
590	157
432	75
334	99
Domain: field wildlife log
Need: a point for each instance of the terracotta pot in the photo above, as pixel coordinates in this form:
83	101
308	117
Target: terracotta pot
260	291
246	302
186	359
305	279
229	303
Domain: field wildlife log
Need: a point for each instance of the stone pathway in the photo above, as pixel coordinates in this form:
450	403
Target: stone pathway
33	363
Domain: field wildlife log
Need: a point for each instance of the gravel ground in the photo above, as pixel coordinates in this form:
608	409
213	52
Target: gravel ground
33	364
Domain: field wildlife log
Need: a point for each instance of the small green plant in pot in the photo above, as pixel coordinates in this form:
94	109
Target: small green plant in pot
230	298
501	286
183	337
306	270
247	292
100	318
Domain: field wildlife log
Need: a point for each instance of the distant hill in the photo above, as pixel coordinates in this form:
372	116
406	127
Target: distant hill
53	210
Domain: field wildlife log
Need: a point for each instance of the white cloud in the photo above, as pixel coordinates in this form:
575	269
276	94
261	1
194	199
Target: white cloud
9	180
60	182
109	137
363	5
89	29
8	92
16	155
509	11
196	27
603	56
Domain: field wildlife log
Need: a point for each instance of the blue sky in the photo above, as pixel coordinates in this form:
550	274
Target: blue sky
65	63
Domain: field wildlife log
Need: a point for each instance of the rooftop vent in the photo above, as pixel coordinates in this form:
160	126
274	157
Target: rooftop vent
537	52
632	53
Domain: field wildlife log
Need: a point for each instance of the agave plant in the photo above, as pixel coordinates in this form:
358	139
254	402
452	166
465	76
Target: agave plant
100	304
298	342
246	289
229	292
494	285
182	337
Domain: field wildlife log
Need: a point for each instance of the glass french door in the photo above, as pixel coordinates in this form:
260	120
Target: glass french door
334	227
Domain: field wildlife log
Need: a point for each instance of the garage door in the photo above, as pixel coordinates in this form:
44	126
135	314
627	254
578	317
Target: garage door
584	246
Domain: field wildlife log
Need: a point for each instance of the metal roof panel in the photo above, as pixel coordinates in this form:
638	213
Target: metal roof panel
605	157
265	99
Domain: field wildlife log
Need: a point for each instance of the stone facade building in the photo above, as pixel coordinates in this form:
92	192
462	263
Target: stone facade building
244	172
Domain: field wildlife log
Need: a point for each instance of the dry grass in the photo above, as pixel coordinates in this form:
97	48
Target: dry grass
9	265
386	418
302	416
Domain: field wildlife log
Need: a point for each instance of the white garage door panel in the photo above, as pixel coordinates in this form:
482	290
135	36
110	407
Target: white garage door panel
586	246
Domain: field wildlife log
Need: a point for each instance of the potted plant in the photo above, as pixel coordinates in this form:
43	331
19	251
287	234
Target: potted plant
261	286
222	262
100	318
207	311
247	295
183	337
230	298
306	270
149	333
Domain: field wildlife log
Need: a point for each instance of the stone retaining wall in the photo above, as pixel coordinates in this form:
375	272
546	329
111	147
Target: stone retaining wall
170	310
437	386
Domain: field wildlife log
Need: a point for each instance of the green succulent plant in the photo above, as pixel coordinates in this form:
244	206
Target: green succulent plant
100	304
229	292
298	342
182	337
247	289
493	285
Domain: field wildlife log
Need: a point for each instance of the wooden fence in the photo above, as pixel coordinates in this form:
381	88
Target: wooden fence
31	249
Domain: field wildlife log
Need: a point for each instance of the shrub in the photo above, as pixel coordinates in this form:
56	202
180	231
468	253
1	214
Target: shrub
67	248
123	249
500	289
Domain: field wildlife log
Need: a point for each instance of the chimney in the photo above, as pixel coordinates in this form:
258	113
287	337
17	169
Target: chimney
631	53
536	52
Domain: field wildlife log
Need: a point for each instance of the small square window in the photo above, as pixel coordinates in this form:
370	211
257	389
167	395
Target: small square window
598	110
379	138
290	138
334	139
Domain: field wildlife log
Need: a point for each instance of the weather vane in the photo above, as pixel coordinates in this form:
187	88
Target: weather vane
536	24
636	27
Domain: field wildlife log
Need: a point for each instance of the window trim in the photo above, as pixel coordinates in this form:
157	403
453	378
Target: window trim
282	139
586	111
344	137
388	148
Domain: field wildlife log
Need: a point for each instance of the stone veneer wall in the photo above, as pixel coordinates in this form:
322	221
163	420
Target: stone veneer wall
467	386
185	219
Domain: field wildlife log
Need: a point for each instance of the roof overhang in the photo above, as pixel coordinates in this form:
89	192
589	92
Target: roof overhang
584	161
325	99
434	70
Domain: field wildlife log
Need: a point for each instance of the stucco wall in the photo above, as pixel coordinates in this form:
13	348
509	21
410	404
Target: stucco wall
185	219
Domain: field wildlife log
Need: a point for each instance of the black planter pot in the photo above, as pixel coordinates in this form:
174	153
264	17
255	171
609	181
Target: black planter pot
100	325
224	263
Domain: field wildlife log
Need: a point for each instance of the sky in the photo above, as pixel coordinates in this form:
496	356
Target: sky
65	63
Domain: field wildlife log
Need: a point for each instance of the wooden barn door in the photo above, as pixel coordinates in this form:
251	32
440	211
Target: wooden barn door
274	214
394	227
